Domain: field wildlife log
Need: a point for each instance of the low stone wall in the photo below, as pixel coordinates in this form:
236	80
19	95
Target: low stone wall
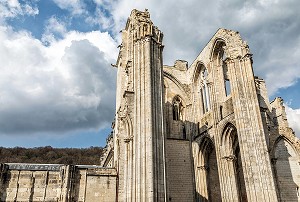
54	182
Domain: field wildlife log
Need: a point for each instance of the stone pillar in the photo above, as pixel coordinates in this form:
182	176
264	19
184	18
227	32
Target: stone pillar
139	137
203	193
255	159
67	177
230	189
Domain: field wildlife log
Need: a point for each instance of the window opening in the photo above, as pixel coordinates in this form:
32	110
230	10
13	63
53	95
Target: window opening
225	74
221	112
227	87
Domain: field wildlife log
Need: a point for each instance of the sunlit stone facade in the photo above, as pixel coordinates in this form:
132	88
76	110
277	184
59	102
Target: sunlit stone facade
204	132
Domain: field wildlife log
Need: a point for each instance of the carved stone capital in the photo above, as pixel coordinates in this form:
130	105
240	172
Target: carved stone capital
127	140
229	158
204	167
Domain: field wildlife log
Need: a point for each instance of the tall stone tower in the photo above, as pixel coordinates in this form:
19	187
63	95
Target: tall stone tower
139	126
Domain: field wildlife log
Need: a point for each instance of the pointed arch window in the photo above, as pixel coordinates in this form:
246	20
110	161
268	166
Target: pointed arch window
204	90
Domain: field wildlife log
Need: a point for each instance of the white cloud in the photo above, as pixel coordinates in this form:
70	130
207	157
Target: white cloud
76	7
54	25
100	18
13	8
270	27
293	116
54	29
67	85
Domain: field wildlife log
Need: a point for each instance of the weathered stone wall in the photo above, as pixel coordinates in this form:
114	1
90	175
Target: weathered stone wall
287	172
284	152
41	182
179	171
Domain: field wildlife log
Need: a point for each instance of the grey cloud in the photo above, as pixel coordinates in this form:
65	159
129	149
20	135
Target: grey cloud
270	27
83	101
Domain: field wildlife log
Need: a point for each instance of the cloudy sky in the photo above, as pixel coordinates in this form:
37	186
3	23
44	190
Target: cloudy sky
57	86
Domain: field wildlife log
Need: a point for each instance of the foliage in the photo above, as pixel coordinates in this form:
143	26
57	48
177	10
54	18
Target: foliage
49	155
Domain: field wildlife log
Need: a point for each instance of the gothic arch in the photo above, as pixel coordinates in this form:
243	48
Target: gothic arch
202	89
128	122
229	139
282	137
230	150
197	70
128	153
218	50
180	86
176	124
235	46
206	173
219	58
286	168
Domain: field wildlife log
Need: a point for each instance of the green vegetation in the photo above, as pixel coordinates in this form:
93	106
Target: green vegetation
49	155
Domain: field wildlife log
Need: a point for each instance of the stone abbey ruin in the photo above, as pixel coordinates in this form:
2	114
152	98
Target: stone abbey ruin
206	132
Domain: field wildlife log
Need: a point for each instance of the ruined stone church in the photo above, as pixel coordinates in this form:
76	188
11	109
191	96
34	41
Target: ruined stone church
204	132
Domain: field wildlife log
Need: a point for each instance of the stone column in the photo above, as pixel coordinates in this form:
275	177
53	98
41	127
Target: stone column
203	185
255	159
141	167
230	182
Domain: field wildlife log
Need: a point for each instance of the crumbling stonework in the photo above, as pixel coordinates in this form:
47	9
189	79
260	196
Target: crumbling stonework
204	132
220	138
